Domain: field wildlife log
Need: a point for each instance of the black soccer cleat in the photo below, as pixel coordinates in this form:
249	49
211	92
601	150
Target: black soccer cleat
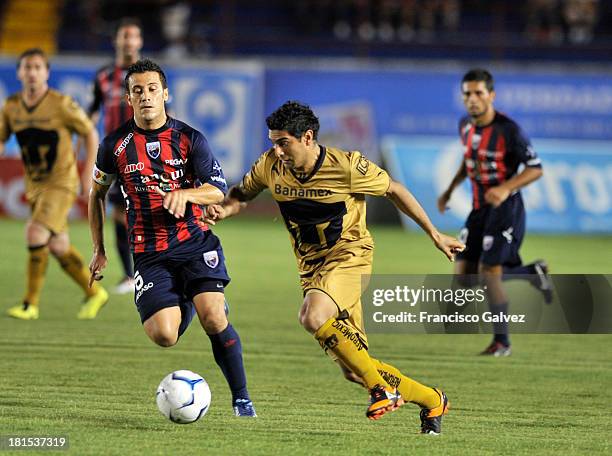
431	419
497	349
542	280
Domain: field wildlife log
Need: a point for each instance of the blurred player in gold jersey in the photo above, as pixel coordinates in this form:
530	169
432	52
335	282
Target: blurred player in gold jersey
321	195
43	120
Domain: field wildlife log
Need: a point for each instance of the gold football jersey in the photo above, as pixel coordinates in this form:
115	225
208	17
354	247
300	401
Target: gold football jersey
44	133
324	211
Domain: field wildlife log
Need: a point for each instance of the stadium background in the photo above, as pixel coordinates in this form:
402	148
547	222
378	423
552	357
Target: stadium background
383	76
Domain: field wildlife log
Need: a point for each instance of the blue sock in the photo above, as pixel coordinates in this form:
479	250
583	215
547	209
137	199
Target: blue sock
187	313
521	272
227	350
500	330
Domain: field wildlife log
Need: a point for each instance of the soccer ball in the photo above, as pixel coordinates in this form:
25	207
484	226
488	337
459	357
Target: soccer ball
183	397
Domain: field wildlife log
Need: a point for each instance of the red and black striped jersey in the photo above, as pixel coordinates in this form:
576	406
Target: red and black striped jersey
493	153
172	157
109	92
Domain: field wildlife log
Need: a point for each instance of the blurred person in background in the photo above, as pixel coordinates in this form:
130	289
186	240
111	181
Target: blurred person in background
580	18
494	148
43	120
109	95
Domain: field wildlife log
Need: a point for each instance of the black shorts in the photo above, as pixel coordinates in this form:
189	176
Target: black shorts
493	236
114	195
173	277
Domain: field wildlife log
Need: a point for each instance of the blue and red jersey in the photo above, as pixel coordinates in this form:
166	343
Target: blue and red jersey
493	153
109	91
172	157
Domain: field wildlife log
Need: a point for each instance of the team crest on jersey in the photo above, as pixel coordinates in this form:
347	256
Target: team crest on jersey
211	259
362	165
153	149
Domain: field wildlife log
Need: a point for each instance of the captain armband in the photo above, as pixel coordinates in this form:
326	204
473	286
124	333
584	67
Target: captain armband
102	178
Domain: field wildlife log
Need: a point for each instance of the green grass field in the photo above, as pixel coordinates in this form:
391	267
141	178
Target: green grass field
95	381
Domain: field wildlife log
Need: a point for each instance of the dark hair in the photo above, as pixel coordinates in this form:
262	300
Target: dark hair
479	75
143	66
127	22
30	52
295	118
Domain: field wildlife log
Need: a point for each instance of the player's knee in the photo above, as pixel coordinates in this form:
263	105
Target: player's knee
164	338
37	234
58	248
214	322
312	321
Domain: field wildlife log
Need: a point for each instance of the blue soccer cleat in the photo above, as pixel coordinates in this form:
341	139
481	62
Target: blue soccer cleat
244	407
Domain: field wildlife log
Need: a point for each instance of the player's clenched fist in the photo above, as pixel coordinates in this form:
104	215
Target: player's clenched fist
214	213
174	202
97	264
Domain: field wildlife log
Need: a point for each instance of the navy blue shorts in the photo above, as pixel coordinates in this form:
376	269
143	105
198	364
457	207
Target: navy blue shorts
114	195
493	236
173	277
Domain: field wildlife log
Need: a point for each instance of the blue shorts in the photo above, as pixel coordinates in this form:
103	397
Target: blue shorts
493	236
173	277
114	195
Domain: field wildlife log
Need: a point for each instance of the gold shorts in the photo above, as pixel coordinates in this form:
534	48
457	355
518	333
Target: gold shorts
50	208
343	276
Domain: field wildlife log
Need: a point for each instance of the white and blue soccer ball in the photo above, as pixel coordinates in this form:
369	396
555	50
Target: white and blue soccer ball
183	397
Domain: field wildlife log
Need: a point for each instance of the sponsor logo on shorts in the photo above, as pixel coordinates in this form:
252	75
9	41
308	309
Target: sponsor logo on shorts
487	243
153	149
140	286
133	167
508	234
211	259
123	144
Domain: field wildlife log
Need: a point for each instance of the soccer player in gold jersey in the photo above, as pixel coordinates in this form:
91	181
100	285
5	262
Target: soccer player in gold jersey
43	120
321	195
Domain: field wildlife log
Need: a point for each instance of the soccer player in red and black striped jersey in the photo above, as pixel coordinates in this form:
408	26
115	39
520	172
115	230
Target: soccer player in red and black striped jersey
167	171
494	149
109	94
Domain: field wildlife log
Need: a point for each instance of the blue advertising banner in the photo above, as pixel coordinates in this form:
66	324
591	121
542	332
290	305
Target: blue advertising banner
427	100
573	195
223	101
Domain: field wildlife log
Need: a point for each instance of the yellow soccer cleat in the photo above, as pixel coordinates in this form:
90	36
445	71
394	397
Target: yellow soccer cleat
92	305
23	312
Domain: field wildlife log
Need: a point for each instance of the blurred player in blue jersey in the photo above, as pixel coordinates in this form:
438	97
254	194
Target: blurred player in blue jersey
109	95
494	148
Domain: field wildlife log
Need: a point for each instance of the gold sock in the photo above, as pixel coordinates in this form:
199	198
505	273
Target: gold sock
344	342
72	263
37	268
411	390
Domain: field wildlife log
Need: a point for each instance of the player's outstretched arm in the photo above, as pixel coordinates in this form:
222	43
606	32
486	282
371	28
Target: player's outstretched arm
233	203
443	199
407	203
95	212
